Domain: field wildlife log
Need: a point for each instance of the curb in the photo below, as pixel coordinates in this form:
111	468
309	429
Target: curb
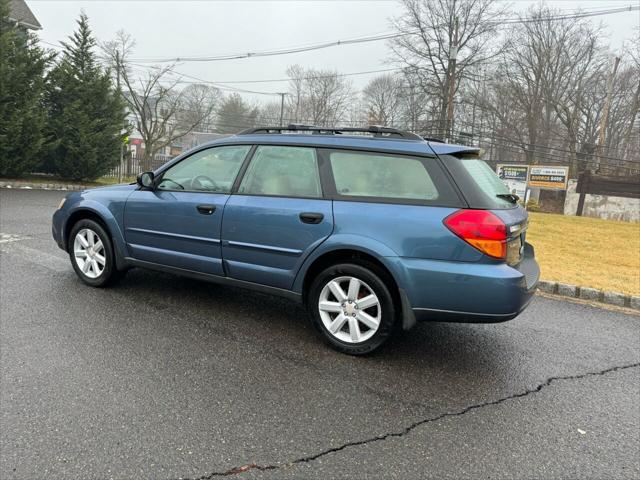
593	294
45	186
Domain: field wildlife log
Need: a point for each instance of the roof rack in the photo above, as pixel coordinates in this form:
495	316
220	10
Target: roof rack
375	130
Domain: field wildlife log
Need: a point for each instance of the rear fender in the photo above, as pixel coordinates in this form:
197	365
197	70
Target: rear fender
348	242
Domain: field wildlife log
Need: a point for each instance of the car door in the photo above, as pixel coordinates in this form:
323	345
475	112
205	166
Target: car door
178	223
277	216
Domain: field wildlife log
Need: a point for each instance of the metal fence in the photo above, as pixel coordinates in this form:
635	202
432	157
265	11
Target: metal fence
132	165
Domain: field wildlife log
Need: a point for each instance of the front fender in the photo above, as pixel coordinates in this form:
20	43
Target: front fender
108	216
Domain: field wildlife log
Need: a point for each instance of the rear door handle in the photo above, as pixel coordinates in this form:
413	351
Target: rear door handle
206	209
311	217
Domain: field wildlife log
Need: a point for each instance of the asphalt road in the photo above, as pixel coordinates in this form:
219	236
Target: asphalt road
164	377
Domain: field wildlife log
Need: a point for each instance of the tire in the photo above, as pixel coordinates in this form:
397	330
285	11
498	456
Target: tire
101	269
355	325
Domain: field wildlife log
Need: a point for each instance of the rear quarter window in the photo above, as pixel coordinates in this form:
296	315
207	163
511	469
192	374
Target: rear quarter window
390	177
479	184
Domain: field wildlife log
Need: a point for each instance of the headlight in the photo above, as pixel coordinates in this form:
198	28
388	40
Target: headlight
62	203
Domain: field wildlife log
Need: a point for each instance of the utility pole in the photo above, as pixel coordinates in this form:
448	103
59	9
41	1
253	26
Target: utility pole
484	96
453	56
281	107
120	166
604	120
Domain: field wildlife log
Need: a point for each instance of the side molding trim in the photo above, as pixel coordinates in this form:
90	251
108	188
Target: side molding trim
207	277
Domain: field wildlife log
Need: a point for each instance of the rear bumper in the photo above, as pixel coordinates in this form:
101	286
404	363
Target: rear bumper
469	292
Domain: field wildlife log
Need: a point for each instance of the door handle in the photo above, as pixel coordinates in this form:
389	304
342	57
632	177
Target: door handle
206	209
311	217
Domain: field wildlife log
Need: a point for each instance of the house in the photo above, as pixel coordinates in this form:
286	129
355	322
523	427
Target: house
22	16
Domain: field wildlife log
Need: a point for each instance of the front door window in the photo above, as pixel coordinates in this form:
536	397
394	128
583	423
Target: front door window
211	170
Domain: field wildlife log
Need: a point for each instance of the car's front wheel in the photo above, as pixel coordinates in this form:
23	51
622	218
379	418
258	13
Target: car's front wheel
352	307
91	253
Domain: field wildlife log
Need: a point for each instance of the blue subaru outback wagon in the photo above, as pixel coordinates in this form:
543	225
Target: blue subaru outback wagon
372	229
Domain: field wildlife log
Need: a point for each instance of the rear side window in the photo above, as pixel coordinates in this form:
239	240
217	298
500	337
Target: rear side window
282	171
364	174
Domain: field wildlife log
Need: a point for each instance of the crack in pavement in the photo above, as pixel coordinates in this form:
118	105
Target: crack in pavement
408	429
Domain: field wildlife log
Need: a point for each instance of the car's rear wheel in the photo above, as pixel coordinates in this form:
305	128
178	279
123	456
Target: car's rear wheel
91	254
352	307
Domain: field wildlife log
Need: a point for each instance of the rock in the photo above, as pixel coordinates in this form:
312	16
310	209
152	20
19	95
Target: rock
587	293
567	290
614	298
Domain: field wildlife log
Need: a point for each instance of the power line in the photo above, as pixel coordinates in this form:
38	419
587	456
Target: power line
371	38
533	146
220	84
309	77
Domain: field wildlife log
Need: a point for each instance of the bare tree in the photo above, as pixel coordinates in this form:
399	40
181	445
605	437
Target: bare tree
235	114
199	104
540	87
270	114
296	76
633	51
414	104
442	41
162	112
382	97
320	97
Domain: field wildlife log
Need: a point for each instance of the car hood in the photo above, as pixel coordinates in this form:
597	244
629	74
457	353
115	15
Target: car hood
114	188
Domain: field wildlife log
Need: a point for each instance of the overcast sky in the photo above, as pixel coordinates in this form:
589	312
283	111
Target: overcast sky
192	28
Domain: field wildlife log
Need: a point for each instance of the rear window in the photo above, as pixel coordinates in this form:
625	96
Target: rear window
478	182
362	174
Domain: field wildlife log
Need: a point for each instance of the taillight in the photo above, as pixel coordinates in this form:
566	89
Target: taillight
480	229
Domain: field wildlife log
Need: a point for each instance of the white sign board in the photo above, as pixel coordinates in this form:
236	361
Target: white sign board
548	178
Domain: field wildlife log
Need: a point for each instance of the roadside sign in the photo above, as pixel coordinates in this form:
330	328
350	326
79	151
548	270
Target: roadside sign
514	177
549	178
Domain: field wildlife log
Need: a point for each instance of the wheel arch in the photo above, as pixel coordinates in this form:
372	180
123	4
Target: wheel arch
354	254
108	222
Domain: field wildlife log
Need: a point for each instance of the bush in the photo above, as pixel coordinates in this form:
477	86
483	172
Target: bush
22	117
533	205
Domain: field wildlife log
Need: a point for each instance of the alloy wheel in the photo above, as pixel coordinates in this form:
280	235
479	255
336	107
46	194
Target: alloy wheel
349	309
89	253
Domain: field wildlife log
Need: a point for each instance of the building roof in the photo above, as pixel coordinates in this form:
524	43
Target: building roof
20	13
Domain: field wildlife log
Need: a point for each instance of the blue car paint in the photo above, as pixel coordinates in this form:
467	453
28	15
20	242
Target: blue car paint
260	241
264	240
165	227
107	203
423	235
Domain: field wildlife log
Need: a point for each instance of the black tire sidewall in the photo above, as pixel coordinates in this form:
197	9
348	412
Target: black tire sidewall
109	269
368	275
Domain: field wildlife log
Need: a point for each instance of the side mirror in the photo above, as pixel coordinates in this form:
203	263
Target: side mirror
145	179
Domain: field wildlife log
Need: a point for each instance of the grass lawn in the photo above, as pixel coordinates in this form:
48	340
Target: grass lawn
589	252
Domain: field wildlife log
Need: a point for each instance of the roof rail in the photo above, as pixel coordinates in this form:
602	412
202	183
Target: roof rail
375	130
